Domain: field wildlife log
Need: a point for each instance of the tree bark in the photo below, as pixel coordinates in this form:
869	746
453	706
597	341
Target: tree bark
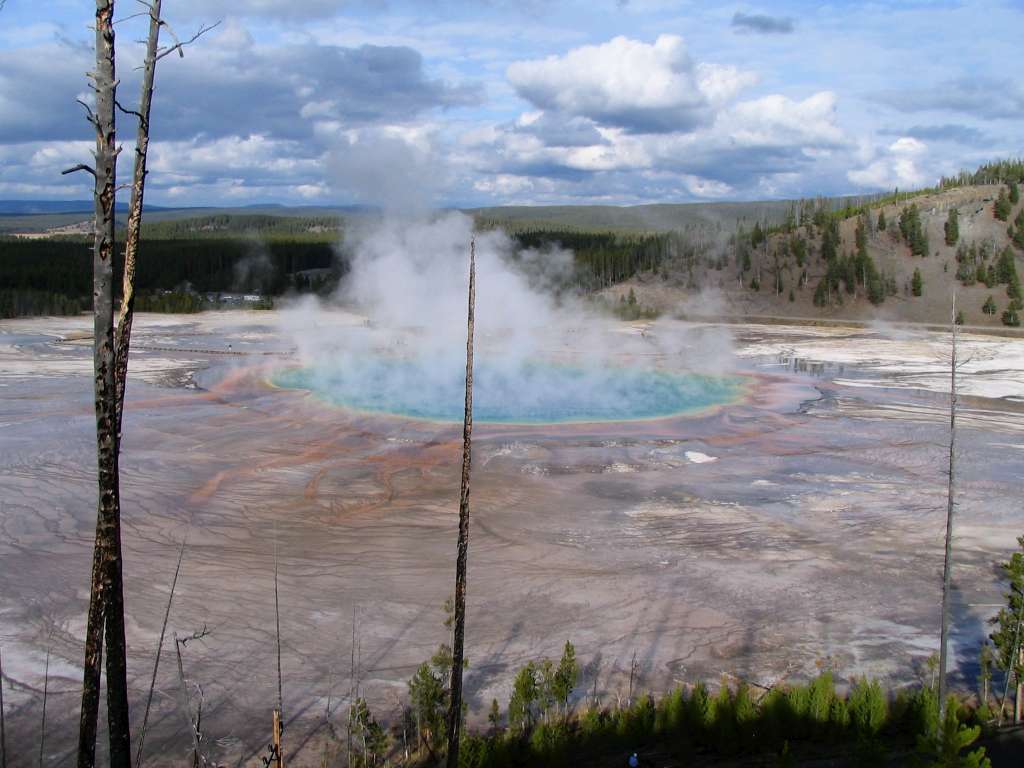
455	710
947	569
106	608
131	246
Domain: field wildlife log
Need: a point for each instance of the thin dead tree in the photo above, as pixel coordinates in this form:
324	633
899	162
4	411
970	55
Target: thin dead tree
185	698
3	725
455	709
153	54
279	712
947	569
353	686
131	246
46	690
159	650
106	600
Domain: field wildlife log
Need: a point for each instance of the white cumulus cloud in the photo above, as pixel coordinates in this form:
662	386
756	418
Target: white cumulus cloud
897	165
625	83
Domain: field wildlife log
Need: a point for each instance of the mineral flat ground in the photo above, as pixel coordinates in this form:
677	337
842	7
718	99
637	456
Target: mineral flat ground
798	528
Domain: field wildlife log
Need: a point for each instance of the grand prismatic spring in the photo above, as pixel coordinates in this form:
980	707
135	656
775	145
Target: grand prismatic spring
531	392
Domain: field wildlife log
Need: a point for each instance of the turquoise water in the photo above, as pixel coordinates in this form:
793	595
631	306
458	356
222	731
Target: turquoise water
528	393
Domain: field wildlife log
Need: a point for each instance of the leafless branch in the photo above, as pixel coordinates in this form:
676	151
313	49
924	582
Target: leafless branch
133	16
180	46
128	111
89	115
198	758
79	167
159	649
183	641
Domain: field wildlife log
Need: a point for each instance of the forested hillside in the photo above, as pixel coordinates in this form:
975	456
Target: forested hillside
54	276
897	257
900	257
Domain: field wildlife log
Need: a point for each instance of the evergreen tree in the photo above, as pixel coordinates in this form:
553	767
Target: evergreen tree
916	283
799	247
943	749
913	231
429	699
494	717
881	221
861	235
371	734
429	689
1003	206
525	692
1006	267
1007	635
1017	235
989	307
1014	195
566	676
758	235
952	227
830	240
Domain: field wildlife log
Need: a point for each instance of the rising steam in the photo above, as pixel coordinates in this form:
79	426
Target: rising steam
540	354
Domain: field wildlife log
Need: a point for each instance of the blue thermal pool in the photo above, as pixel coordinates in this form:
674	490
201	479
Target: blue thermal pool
524	393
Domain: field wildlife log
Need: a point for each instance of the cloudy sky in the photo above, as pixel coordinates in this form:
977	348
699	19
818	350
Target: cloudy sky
504	102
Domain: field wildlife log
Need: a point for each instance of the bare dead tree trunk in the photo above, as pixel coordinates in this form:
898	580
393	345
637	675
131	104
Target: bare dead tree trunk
352	689
632	677
185	702
3	724
42	725
279	714
185	698
947	570
106	607
455	710
106	600
131	246
159	650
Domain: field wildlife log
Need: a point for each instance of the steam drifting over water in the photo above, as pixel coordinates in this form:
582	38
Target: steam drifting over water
542	356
